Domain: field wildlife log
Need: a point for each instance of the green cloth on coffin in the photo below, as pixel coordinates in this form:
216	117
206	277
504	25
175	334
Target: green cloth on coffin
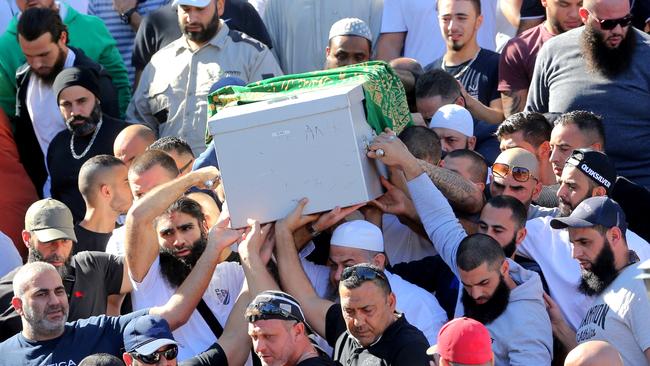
385	99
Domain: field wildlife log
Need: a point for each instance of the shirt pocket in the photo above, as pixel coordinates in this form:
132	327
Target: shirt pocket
159	102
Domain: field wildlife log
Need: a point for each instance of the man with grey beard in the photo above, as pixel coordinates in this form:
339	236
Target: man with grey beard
88	277
598	68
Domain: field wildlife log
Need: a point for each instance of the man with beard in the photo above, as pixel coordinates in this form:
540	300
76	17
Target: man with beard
586	174
43	39
609	270
597	68
171	96
496	291
165	236
89	133
89	277
350	42
517	61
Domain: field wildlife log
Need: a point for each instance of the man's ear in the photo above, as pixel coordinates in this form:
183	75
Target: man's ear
379	260
614	235
327	51
598	192
221	6
17	304
537	190
521	235
26	236
584	15
505	266
471	142
128	359
544	151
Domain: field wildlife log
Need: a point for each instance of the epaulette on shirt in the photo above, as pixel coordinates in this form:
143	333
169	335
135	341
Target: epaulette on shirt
238	36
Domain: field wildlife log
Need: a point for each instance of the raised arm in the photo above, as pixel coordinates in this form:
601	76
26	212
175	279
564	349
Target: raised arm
255	252
141	244
461	193
292	276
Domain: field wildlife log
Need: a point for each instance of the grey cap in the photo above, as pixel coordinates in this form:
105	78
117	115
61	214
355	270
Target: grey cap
50	220
350	27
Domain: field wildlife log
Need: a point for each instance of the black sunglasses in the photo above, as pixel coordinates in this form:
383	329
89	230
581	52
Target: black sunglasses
364	273
154	358
609	24
259	311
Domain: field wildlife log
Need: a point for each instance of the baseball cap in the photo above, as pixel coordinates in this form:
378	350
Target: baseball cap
595	165
453	117
600	210
465	341
350	27
197	3
50	220
358	234
145	334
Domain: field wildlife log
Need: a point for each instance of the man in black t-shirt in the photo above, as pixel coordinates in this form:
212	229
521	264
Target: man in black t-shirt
474	67
89	277
364	329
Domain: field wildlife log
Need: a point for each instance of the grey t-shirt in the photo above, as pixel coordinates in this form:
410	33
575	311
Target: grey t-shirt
620	316
562	83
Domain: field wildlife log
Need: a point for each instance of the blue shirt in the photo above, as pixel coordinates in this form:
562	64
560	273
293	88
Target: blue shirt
81	338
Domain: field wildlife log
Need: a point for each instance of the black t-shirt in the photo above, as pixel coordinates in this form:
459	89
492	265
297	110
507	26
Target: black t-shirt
213	356
400	344
317	361
93	277
81	338
89	240
64	168
160	28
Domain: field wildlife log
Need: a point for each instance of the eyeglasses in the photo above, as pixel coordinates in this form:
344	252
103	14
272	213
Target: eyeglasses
519	173
258	311
364	273
154	358
609	24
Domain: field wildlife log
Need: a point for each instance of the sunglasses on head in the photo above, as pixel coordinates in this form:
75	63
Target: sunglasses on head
363	273
609	24
520	174
258	311
154	358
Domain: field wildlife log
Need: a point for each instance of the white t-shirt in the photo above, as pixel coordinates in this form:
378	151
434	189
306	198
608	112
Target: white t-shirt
195	336
620	316
9	254
419	19
115	244
401	244
551	249
420	307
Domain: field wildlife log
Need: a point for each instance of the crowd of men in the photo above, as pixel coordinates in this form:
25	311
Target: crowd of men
510	232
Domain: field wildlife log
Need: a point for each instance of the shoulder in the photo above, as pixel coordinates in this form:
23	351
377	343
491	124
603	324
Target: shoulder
88	261
238	37
487	56
76	19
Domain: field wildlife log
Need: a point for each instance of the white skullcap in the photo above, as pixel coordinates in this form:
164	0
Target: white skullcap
453	117
359	234
350	27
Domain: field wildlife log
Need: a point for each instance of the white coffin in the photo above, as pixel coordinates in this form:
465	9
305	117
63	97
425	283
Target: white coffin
273	153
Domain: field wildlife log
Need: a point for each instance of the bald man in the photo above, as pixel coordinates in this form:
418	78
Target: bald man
105	189
515	172
594	353
131	142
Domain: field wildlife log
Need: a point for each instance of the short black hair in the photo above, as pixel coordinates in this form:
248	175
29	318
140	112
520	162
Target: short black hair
590	124
534	127
151	158
478	168
91	170
477	249
518	211
422	142
101	359
34	22
476	3
380	280
171	143
437	83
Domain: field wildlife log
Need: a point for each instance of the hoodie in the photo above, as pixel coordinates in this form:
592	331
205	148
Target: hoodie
522	335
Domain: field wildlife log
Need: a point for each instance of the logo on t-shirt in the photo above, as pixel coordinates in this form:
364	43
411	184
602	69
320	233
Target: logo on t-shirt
596	317
223	296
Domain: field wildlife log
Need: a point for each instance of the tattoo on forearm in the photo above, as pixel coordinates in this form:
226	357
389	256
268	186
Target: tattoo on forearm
512	102
460	192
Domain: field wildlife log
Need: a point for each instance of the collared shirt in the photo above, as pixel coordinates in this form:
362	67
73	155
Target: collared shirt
172	94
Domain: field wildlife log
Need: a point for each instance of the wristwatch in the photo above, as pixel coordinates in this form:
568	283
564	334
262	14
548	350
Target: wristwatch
312	230
126	16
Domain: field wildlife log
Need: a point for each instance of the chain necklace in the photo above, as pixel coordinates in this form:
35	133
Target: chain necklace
462	71
90	144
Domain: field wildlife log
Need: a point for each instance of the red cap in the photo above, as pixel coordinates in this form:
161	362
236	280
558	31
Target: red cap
463	340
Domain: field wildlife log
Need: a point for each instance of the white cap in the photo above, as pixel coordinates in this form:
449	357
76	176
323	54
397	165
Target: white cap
453	117
358	234
350	27
197	3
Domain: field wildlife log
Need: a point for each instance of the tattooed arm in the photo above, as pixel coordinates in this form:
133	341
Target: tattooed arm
460	192
513	101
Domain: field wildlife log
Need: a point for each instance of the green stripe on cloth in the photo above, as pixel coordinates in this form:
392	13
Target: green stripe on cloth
385	99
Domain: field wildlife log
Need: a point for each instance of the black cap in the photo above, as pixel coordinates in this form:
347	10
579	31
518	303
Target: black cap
600	210
72	76
595	165
274	305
